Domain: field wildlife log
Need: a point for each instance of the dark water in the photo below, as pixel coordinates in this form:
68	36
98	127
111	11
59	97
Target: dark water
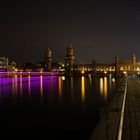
53	107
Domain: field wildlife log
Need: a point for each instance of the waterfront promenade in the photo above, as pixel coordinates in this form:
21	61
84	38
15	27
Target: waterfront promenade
131	127
121	120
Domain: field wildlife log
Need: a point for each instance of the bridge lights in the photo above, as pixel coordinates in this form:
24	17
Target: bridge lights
16	69
105	72
124	72
82	71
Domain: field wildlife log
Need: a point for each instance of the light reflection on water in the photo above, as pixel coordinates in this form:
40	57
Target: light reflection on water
71	90
105	88
41	85
50	84
61	99
21	85
29	85
83	88
101	86
60	87
41	88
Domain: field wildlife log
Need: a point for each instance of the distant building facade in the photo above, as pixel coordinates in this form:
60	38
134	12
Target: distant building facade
4	63
119	66
48	60
129	66
7	64
69	60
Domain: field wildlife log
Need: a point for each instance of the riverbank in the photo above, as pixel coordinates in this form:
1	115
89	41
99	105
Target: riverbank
109	124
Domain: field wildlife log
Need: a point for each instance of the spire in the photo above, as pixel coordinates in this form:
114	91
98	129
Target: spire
69	45
117	59
134	61
134	56
48	52
48	59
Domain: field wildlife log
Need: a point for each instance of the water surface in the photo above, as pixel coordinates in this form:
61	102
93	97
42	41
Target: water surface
53	106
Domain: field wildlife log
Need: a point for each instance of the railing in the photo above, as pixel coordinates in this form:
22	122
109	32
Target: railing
111	122
122	114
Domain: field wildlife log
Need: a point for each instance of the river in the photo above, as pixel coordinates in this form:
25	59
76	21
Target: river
56	107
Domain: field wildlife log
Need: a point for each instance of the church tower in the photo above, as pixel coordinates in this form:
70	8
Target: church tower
48	59
69	58
134	61
117	63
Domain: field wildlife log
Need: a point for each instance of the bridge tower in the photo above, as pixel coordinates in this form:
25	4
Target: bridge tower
48	59
117	63
69	59
134	61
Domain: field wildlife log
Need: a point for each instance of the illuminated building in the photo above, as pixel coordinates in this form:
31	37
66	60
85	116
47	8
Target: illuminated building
4	63
12	66
69	58
127	66
48	60
7	64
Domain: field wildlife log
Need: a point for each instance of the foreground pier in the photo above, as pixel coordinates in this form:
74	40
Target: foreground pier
121	119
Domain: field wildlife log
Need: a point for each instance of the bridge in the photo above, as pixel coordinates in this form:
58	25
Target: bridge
31	73
120	67
121	119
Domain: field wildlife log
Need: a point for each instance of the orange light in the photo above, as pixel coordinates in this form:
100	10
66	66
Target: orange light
83	88
101	85
105	87
60	87
41	85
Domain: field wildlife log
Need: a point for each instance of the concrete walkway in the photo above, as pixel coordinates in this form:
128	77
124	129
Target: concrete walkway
131	126
107	128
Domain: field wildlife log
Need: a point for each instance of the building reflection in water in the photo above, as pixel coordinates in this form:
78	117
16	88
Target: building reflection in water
83	88
16	84
104	87
20	86
41	88
72	91
41	85
29	85
13	85
101	86
110	83
0	86
90	79
113	80
71	85
60	87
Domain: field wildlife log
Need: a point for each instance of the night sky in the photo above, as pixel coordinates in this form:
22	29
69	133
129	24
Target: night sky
96	29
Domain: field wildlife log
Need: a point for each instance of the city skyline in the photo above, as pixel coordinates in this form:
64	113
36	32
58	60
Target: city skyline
97	30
